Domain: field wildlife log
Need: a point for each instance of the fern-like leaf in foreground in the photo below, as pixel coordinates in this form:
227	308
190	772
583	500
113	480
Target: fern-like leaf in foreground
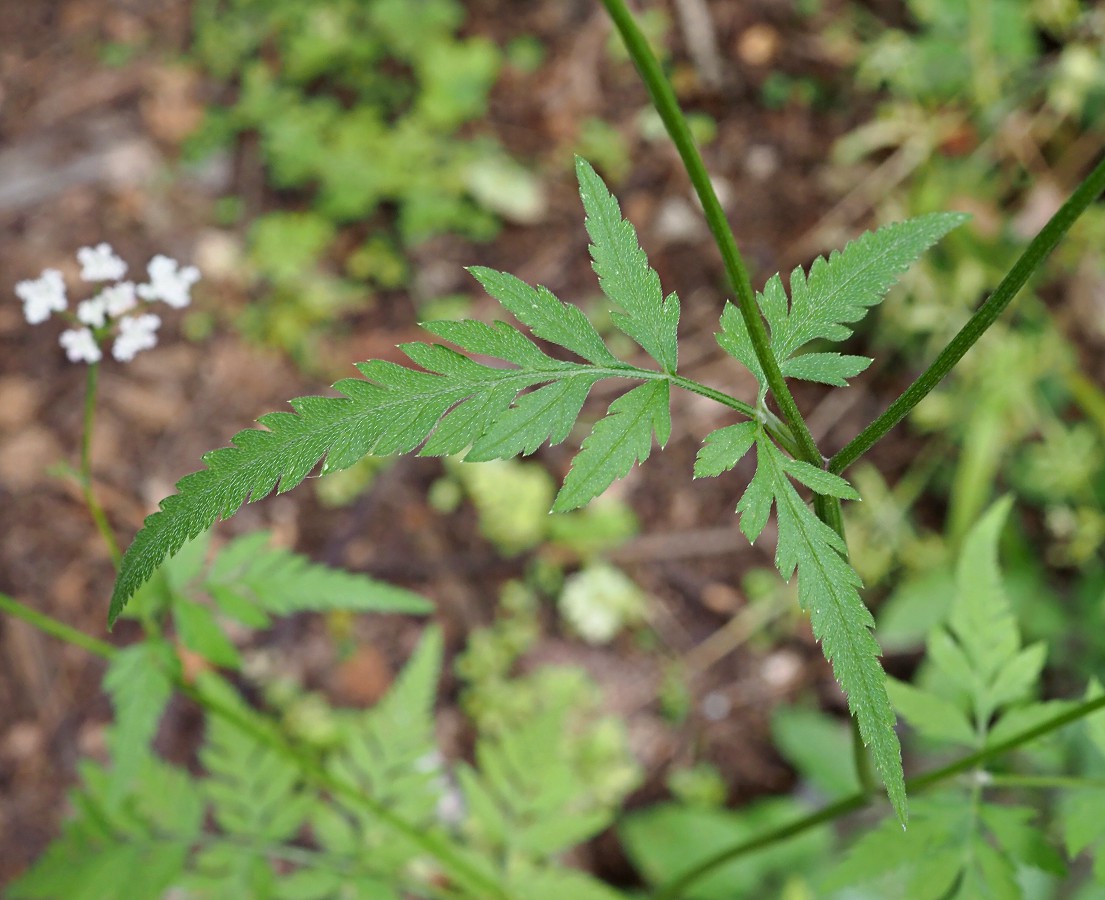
827	583
453	403
837	293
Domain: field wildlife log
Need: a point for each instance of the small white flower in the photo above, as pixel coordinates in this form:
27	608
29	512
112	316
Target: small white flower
92	312
136	333
169	282
100	263
44	295
80	345
119	298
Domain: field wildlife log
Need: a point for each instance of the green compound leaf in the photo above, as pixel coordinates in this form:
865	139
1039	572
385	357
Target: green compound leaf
827	584
953	840
837	293
625	275
453	403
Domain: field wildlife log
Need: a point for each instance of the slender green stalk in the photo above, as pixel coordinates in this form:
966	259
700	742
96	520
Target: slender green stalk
94	507
860	799
775	426
51	626
1036	252
663	99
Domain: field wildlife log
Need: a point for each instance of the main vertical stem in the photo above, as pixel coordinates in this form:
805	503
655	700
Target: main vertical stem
663	99
666	104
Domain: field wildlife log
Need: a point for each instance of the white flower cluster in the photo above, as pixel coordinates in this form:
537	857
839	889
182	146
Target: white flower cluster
115	310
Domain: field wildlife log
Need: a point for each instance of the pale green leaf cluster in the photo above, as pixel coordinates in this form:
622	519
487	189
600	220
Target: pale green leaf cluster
256	800
139	683
142	839
979	669
453	404
530	795
827	584
837	293
1083	825
390	754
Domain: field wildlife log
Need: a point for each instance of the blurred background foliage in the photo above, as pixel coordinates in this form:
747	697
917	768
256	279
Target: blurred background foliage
367	120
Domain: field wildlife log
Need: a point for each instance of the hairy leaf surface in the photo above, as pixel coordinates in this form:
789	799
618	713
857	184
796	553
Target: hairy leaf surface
619	440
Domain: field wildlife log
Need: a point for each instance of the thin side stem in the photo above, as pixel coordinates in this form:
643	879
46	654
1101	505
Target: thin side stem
94	507
860	799
55	628
1036	252
663	99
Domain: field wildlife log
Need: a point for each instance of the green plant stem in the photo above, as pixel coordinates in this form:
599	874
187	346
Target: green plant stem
860	799
51	626
94	507
663	99
985	316
774	425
